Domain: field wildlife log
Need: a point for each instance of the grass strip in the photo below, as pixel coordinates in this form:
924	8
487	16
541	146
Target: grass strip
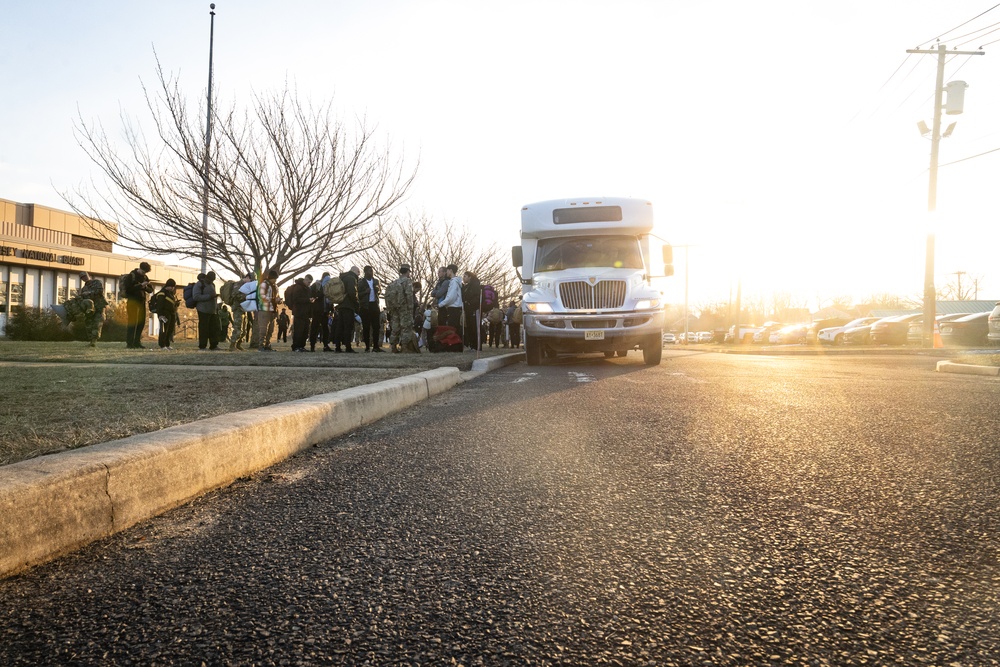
52	409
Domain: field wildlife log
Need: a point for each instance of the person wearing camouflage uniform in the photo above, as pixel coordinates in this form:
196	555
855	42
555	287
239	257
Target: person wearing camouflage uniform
399	303
93	321
240	329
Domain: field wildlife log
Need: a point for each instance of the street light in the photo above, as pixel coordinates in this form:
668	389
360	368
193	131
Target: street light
208	144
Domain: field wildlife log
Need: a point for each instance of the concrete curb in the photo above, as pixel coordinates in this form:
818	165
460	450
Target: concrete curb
967	369
833	351
480	366
55	504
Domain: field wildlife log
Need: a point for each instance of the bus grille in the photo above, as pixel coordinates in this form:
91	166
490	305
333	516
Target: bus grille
581	295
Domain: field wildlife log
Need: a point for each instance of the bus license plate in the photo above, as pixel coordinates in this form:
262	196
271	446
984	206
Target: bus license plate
593	335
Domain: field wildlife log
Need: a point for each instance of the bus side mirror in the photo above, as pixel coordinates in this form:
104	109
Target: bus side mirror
517	256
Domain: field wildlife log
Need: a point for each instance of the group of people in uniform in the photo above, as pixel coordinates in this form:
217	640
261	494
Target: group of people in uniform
250	305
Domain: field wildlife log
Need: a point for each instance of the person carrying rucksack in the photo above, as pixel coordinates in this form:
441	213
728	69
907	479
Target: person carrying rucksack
346	310
241	319
166	312
514	324
225	321
495	319
300	299
319	327
399	303
93	289
208	316
266	301
136	286
283	323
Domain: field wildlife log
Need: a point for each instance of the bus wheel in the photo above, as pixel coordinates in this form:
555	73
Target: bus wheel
532	351
652	353
622	353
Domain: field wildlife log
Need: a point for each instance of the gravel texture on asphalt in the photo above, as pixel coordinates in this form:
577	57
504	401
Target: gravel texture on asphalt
710	511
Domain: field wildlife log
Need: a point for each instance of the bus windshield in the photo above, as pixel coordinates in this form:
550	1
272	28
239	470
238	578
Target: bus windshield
577	252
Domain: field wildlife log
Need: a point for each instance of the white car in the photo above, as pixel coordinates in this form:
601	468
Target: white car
835	335
669	338
705	336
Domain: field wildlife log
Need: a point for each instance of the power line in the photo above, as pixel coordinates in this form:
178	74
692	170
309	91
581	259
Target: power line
992	25
896	72
970	157
972	41
938	37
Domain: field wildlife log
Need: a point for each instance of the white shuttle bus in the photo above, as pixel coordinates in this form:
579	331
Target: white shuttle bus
585	276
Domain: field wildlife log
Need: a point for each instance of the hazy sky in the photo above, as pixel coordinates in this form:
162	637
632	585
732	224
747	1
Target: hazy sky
778	138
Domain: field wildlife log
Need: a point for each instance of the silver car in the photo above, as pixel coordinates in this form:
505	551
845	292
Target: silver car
993	337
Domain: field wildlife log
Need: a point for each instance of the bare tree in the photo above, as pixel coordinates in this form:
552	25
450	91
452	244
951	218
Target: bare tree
888	301
956	289
427	244
288	186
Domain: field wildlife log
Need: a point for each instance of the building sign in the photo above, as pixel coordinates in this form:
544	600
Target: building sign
40	256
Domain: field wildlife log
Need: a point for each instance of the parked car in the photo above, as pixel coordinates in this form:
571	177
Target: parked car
993	337
812	332
861	335
892	330
763	335
970	330
669	338
835	335
704	336
794	334
915	334
745	334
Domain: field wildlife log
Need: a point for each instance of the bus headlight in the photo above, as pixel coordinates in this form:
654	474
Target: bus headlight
647	304
539	307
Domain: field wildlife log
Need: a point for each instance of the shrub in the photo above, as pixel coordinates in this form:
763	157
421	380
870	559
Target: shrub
36	324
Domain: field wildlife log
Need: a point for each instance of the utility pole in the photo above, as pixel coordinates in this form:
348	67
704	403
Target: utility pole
930	295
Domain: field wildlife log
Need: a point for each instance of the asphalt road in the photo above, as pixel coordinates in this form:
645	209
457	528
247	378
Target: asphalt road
714	510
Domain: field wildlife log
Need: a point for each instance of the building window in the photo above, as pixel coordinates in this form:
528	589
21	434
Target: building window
17	294
62	294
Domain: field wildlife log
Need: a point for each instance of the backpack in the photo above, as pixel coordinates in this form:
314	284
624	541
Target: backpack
288	296
335	290
231	296
495	316
516	316
189	295
395	295
124	283
73	309
154	302
445	339
488	299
